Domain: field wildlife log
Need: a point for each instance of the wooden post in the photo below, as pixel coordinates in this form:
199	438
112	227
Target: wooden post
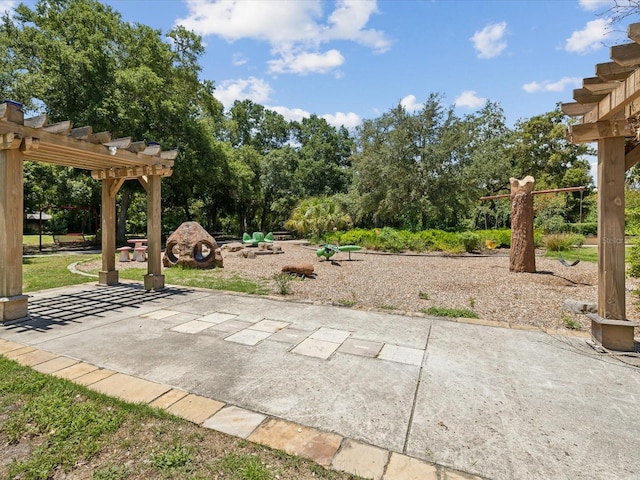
13	305
611	268
109	274
522	255
154	280
610	327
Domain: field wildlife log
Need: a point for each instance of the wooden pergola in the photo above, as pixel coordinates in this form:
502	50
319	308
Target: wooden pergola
609	107
113	161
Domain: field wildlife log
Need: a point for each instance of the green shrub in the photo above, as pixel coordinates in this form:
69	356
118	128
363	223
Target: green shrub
563	241
633	259
470	241
501	236
590	228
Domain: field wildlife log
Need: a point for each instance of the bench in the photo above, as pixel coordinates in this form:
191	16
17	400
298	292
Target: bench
71	240
282	236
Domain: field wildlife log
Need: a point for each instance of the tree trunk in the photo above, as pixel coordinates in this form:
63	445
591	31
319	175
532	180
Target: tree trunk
522	257
125	201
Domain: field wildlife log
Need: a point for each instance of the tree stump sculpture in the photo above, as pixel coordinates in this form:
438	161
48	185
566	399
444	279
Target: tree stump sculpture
522	257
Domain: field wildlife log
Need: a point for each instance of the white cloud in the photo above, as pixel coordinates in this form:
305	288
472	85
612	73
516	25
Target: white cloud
251	88
590	38
238	59
289	26
339	119
591	5
469	99
410	103
291	114
558	86
489	42
306	62
348	22
6	5
348	120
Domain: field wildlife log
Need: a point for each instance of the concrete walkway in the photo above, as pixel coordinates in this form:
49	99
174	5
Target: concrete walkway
381	395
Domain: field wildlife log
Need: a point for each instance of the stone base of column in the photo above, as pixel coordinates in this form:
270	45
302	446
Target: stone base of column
613	334
108	278
13	308
153	282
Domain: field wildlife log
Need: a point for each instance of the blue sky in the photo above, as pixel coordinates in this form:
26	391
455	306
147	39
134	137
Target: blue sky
350	60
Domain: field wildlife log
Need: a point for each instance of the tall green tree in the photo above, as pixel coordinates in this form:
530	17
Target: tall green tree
324	156
78	60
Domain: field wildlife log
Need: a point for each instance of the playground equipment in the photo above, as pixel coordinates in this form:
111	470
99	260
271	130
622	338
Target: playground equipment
522	256
258	237
329	250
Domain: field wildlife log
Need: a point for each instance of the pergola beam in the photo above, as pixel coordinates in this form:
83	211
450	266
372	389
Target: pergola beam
611	71
615	101
113	161
612	122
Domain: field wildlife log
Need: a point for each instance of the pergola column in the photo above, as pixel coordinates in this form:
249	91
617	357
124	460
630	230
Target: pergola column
611	251
13	304
610	327
154	279
108	275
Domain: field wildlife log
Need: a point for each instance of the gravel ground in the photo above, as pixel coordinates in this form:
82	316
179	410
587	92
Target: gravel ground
411	283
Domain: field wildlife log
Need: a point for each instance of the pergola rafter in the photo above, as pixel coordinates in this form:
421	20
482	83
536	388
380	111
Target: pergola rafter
609	107
112	161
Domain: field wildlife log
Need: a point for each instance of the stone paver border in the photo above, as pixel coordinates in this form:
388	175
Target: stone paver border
328	449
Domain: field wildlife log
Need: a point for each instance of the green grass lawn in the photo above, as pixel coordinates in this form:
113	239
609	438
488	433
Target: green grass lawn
50	271
584	254
50	427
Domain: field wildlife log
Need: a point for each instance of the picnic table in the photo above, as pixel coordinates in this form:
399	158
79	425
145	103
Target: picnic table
139	249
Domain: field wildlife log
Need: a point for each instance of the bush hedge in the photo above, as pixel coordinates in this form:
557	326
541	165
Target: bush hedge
392	240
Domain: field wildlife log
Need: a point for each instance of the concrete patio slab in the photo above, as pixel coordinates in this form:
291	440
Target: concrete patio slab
248	336
360	459
195	408
402	467
168	398
396	353
355	346
290	335
298	440
235	421
312	347
217	317
330	335
94	376
470	400
130	389
194	326
31	358
55	364
271	326
74	371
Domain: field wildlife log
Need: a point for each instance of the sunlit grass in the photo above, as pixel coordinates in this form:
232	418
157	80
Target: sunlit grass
50	271
211	279
63	430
